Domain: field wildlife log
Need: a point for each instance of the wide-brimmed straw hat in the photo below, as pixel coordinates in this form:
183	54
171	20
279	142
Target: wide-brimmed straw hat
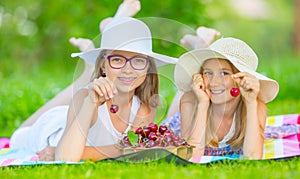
234	50
127	34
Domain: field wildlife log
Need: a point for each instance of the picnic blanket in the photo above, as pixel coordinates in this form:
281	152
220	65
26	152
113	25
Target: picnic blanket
282	140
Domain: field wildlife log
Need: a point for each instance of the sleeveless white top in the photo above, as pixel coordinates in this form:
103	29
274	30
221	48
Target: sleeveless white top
103	132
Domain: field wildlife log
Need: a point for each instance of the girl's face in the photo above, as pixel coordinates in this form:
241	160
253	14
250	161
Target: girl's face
217	78
126	69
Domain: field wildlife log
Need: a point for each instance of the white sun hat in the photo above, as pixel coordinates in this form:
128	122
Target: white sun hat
234	50
127	34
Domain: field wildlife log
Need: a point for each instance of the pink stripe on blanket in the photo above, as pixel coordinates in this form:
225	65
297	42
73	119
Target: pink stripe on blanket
291	119
34	158
291	145
298	136
7	162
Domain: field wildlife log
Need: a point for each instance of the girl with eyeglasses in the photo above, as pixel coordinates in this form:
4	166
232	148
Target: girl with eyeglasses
121	96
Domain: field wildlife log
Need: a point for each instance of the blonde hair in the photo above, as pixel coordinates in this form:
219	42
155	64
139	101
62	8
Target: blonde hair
147	91
237	139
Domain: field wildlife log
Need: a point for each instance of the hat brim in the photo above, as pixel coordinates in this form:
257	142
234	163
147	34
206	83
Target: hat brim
91	57
190	63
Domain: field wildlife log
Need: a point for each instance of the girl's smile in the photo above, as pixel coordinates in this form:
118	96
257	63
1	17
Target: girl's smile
126	80
217	92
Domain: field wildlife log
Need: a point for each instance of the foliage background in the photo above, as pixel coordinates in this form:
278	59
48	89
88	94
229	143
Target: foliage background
35	62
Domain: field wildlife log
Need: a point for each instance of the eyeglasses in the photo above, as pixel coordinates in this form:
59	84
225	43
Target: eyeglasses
119	61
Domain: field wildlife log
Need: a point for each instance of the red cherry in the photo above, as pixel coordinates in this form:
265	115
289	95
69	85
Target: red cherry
152	136
114	108
235	92
168	133
162	129
139	130
153	127
145	131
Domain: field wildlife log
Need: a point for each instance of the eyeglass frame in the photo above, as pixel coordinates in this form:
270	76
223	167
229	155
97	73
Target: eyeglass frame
108	57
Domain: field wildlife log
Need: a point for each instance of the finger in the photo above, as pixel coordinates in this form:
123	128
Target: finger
196	76
237	78
95	87
242	75
109	87
105	86
113	89
208	93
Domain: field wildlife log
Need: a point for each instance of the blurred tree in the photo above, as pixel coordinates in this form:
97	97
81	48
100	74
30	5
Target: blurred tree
35	31
296	31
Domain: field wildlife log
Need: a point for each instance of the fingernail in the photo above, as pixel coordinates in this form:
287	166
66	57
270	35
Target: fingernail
115	91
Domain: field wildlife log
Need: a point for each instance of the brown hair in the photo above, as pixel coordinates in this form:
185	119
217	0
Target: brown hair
147	92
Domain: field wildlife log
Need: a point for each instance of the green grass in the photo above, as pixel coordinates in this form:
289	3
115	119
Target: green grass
227	169
24	88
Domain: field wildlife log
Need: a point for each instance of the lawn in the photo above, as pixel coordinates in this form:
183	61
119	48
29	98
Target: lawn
233	169
24	88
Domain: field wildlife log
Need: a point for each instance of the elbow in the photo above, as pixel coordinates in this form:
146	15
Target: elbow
253	155
66	157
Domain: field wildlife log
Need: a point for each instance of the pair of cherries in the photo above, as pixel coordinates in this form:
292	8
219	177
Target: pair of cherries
234	92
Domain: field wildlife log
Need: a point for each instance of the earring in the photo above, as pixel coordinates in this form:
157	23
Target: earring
103	74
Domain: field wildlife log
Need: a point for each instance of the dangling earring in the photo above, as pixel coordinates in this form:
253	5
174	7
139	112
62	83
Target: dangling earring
103	74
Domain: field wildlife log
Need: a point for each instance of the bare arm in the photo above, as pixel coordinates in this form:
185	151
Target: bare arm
254	139
81	113
256	115
94	153
99	153
193	122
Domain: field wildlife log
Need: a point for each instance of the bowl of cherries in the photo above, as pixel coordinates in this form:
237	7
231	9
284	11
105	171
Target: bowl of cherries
154	136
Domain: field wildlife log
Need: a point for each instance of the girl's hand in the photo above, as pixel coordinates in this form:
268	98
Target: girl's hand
249	85
101	89
47	154
199	88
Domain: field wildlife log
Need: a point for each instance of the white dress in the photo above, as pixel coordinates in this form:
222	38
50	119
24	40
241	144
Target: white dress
48	129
